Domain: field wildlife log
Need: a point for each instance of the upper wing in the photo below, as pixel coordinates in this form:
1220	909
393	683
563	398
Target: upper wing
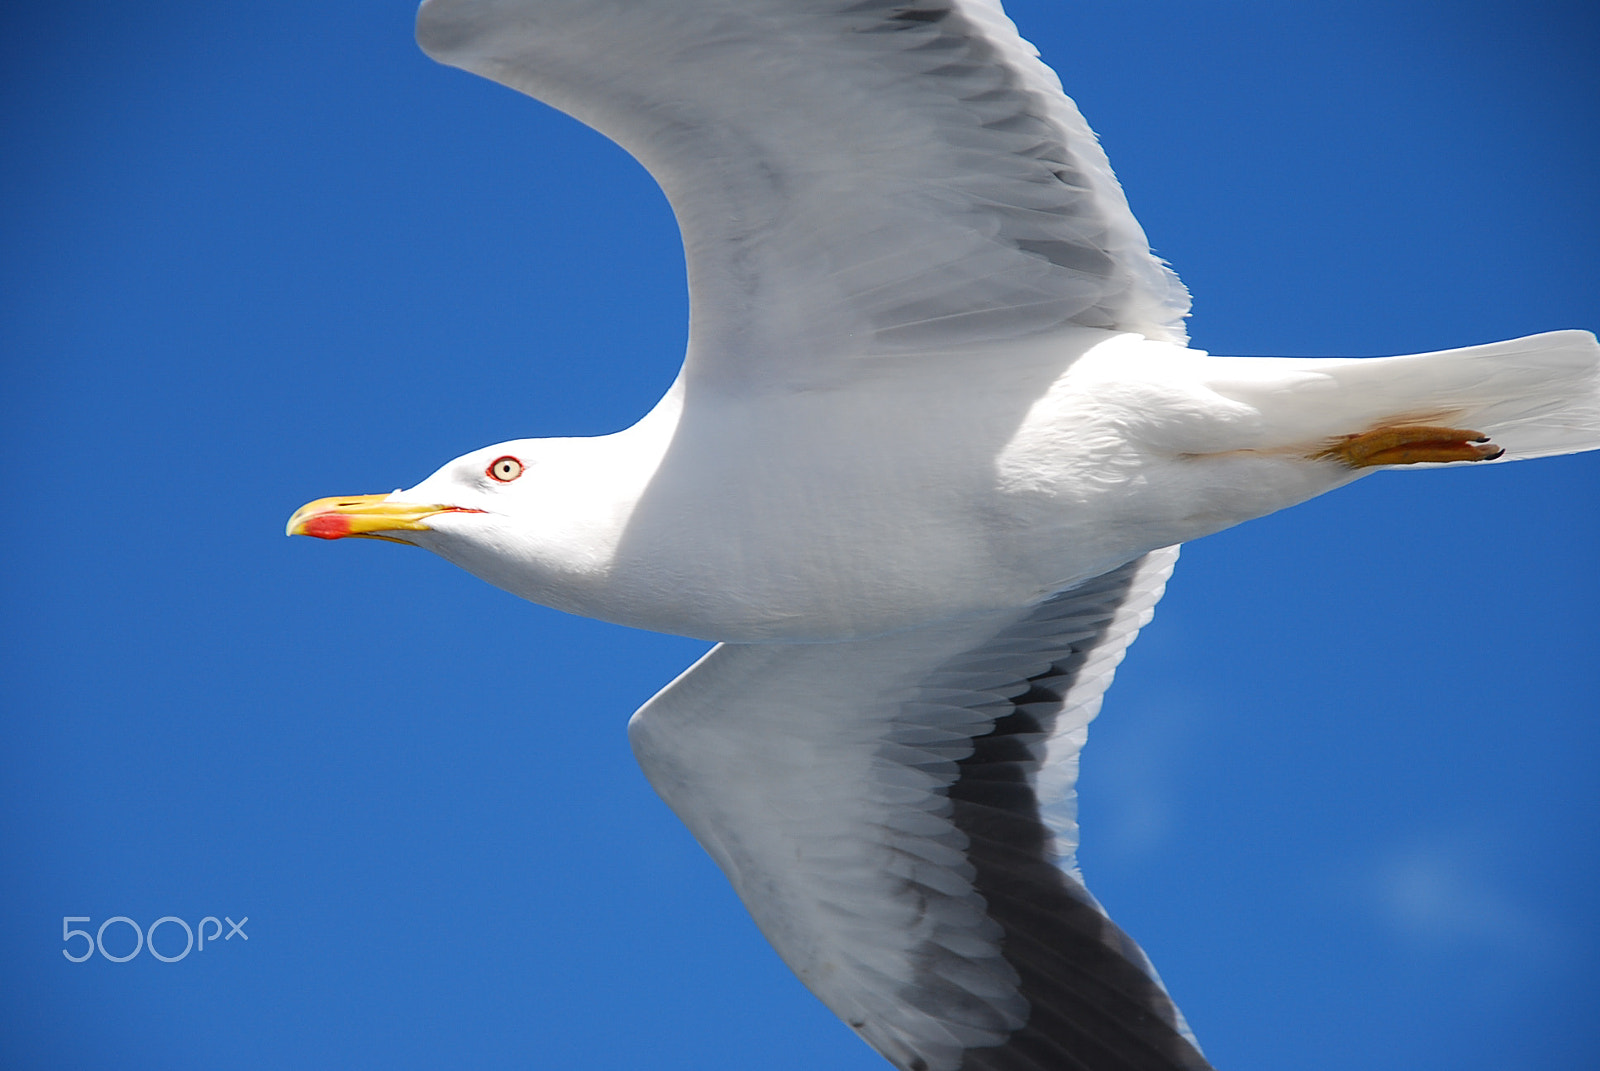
850	176
898	814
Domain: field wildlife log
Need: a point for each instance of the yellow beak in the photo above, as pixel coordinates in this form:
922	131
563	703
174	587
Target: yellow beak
364	516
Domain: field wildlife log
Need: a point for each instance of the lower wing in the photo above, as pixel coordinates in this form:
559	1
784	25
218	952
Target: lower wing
898	814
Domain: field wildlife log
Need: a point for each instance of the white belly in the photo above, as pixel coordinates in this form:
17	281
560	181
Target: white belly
865	512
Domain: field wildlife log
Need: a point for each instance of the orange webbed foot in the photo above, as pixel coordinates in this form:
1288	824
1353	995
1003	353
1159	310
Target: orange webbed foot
1410	446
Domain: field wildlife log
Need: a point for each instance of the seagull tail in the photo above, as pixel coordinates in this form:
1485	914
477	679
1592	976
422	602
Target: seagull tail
1536	396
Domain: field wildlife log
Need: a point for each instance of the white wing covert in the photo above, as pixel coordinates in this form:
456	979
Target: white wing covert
898	815
851	177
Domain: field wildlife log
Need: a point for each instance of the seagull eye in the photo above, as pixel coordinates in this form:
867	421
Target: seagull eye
504	469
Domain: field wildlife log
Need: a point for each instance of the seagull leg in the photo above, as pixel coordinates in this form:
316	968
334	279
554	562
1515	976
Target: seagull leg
1409	446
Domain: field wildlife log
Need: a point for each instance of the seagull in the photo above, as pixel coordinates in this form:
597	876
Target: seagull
923	476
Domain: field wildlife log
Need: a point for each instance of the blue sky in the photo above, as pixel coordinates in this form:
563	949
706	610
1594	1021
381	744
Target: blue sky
1344	792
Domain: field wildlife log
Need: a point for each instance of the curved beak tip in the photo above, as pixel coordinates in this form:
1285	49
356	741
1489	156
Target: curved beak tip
333	518
319	525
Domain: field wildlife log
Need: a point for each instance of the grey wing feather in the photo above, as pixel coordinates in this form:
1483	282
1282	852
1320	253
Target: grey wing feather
851	177
896	814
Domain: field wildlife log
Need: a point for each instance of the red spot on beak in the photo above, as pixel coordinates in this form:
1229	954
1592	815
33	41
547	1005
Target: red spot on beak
327	526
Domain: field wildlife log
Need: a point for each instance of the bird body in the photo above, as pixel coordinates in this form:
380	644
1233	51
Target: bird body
923	475
934	486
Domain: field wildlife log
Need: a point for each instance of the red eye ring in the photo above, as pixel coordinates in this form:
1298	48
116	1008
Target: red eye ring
504	469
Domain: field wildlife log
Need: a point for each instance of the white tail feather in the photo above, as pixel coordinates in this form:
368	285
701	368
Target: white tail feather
1534	396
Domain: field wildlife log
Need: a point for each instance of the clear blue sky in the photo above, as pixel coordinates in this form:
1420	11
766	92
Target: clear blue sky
1345	791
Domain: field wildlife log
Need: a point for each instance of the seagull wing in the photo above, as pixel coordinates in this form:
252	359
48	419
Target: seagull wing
851	177
898	814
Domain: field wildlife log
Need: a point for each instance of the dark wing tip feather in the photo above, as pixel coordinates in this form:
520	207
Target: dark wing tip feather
1093	1002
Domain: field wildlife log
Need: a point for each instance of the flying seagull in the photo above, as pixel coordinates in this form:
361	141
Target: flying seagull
923	474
